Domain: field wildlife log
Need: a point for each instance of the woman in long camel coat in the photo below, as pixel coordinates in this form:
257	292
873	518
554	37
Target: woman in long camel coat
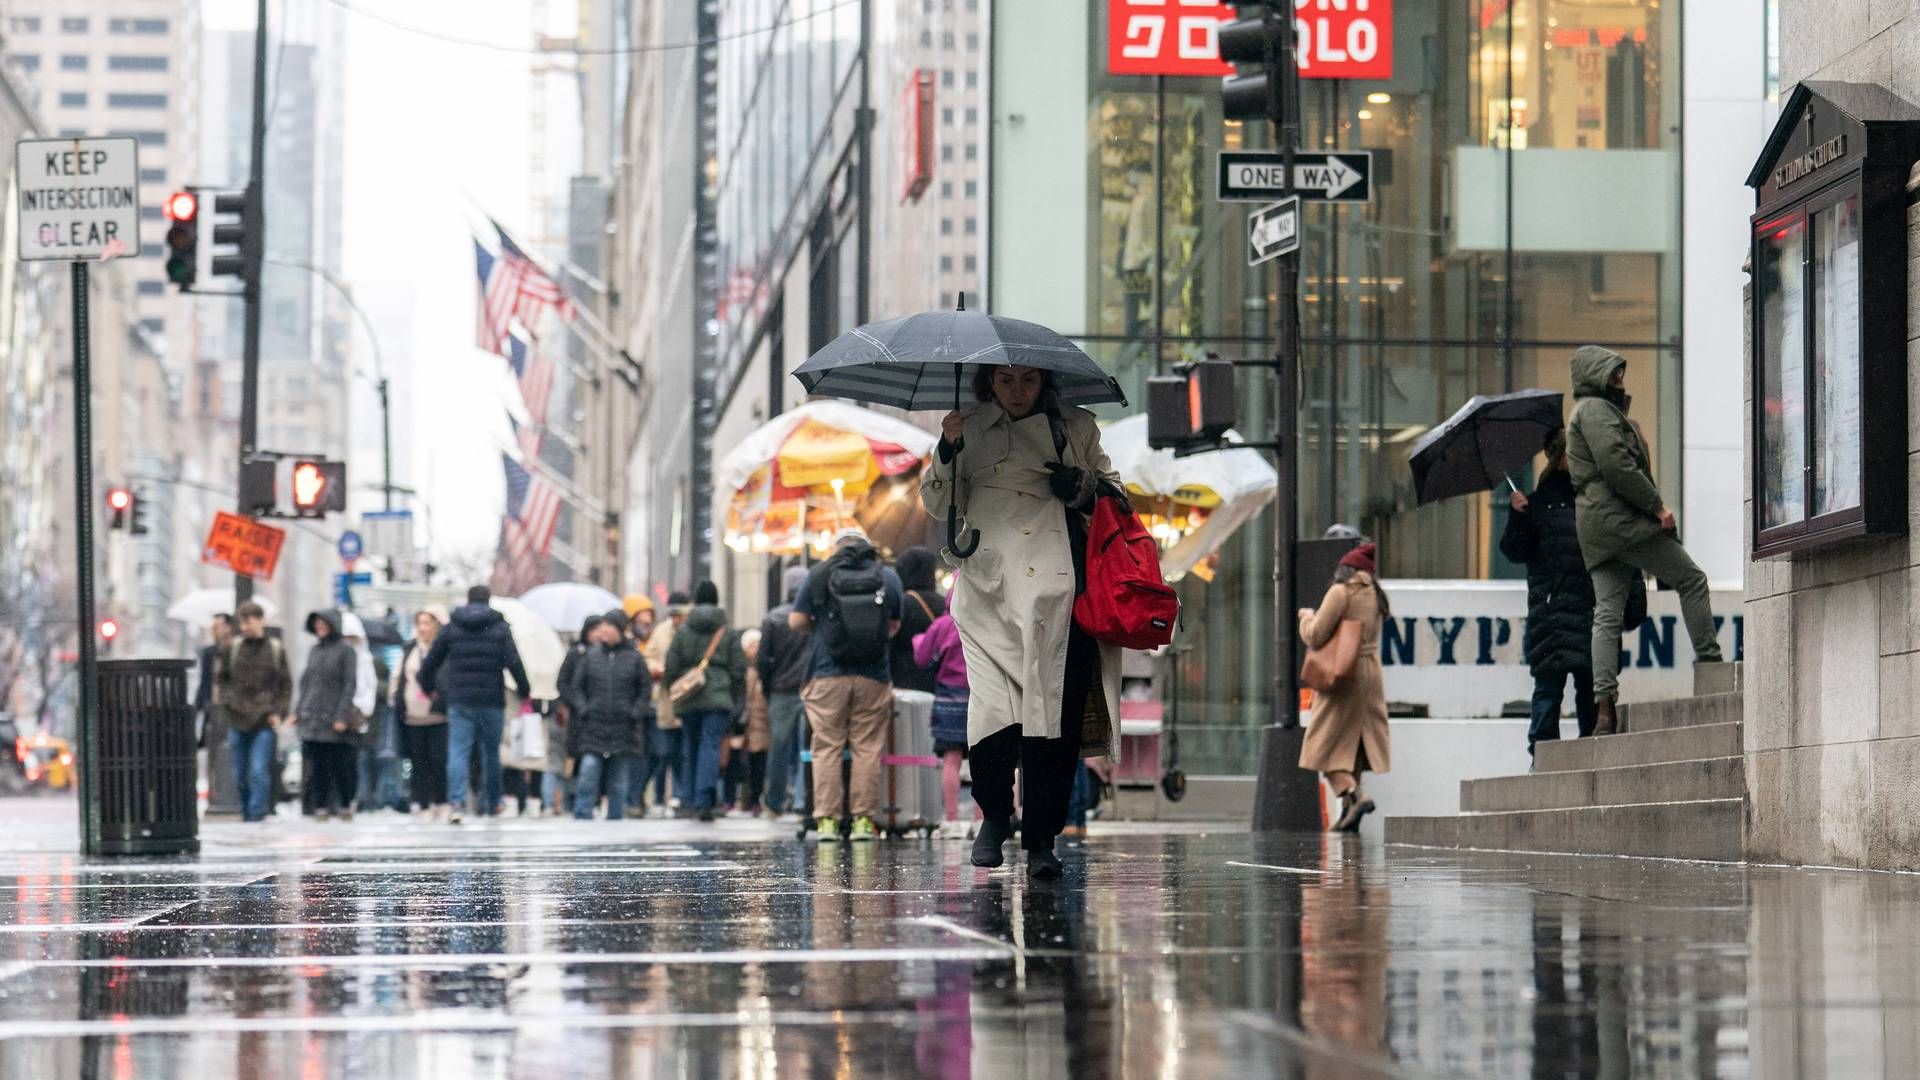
1023	463
1347	735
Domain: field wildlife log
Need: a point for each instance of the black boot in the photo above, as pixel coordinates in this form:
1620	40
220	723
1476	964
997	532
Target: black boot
1043	865
986	843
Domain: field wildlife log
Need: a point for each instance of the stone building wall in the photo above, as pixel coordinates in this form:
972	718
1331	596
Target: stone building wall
1833	674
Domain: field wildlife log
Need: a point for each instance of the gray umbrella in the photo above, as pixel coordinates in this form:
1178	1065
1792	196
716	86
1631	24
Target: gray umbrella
926	361
1489	439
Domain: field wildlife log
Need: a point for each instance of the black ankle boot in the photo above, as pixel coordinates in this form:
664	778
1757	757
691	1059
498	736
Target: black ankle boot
986	843
1043	865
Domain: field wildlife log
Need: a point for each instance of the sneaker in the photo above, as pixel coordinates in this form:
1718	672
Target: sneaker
659	813
1074	830
706	815
347	815
864	829
829	830
453	817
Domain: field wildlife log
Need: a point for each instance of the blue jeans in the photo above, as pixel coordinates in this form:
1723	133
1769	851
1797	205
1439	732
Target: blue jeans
786	715
252	753
1082	799
1548	688
586	785
467	725
701	734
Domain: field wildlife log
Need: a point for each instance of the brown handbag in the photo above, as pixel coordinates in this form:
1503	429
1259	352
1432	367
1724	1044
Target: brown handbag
1332	662
689	684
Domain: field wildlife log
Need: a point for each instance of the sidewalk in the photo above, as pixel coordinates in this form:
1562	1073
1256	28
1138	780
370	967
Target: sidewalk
389	948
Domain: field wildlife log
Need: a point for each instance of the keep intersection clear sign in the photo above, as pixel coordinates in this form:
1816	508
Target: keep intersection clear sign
79	198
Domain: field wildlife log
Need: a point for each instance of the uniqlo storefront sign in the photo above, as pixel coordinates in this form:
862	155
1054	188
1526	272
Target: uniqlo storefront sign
1337	39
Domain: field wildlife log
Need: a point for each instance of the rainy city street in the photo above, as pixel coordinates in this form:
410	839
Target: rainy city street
652	949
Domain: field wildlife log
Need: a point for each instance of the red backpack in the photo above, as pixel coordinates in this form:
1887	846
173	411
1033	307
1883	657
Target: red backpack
1127	602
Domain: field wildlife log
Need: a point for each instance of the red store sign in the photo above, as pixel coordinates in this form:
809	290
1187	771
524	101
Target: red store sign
1337	39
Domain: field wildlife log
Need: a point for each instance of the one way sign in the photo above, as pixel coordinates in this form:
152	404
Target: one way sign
1259	176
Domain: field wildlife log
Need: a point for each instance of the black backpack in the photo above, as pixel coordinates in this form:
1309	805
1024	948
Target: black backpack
857	615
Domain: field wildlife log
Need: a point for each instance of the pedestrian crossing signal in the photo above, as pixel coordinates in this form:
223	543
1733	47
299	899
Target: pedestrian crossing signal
319	487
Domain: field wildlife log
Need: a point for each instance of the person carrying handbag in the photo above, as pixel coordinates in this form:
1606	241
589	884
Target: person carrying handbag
1347	733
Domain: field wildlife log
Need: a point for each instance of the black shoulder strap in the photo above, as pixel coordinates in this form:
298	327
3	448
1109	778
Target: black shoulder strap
1059	429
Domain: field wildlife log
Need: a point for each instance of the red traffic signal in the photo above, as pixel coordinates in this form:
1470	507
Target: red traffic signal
119	502
318	487
182	206
109	629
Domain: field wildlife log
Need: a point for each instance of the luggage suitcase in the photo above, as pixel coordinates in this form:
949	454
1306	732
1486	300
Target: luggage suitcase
912	768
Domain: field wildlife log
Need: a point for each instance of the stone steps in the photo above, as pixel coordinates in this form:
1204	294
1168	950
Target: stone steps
1672	785
1638	748
1681	712
1671	781
1698	829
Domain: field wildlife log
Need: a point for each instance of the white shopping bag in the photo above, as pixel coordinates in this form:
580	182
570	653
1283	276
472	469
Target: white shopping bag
528	741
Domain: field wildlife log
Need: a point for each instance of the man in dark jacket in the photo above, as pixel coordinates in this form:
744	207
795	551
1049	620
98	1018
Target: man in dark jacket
465	667
607	697
1541	535
784	655
327	735
255	693
1625	526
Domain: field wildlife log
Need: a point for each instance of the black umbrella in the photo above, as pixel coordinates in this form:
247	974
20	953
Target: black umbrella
1490	438
925	361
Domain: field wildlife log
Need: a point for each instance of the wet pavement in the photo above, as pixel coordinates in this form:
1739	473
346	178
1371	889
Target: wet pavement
390	948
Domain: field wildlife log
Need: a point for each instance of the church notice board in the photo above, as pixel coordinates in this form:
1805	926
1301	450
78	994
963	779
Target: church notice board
1829	318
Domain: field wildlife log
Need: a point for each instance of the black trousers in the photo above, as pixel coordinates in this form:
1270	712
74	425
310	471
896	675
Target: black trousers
335	775
1049	765
426	748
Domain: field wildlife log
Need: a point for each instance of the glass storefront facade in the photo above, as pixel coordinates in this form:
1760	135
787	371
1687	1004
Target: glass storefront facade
1481	262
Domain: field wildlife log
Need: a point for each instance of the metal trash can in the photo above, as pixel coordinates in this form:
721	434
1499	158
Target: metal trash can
146	770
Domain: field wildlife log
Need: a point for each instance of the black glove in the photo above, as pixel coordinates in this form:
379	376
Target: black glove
1069	483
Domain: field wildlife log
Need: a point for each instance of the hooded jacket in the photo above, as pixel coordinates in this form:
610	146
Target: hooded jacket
327	685
785	652
1618	504
465	664
608	697
254	682
726	685
1559	592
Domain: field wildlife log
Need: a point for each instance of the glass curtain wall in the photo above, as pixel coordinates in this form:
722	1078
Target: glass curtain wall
1526	188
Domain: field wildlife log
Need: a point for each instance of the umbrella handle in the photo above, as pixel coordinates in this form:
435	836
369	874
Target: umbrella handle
953	536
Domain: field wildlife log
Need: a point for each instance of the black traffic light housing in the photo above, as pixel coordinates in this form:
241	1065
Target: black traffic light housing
319	487
183	239
232	227
137	515
1254	44
1192	409
257	490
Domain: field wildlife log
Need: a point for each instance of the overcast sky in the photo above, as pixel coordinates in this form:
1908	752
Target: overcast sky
433	130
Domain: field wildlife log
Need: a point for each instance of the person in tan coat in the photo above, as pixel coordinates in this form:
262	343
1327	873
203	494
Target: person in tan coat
1347	734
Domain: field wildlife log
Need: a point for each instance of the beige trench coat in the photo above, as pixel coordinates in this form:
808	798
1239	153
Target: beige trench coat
1354	713
1013	601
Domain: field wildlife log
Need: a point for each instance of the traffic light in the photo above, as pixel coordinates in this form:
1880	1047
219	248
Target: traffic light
119	507
109	629
183	239
136	514
258	494
1192	409
319	487
230	228
1256	47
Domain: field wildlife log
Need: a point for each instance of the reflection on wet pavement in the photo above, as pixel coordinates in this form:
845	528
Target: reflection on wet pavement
544	950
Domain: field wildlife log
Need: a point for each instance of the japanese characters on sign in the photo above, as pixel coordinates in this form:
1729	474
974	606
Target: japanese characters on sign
243	545
1335	39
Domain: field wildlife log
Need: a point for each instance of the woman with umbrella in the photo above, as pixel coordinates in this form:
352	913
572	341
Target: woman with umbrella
1028	475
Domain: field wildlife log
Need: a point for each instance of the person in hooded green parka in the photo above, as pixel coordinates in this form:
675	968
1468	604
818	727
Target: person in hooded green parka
1625	526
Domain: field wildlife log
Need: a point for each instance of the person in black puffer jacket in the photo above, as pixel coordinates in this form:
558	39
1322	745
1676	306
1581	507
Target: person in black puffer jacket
468	666
1541	534
609	701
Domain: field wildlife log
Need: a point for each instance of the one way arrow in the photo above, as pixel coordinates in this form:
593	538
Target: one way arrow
1332	178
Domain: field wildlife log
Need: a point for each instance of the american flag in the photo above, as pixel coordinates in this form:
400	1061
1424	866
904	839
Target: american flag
512	286
533	511
527	439
535	373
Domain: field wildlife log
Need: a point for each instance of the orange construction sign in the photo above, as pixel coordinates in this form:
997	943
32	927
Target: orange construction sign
243	545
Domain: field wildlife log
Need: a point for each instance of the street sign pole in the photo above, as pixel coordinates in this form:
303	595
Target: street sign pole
88	718
253	253
1286	797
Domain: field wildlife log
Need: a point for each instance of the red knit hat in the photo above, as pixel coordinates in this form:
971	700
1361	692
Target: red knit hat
1360	558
